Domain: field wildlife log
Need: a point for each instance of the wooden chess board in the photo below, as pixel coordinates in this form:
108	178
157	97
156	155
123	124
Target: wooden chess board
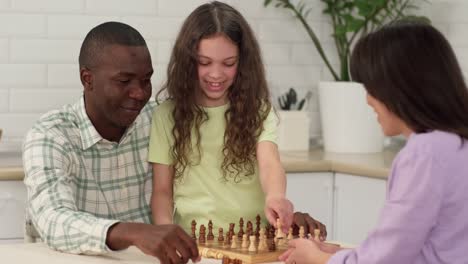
214	249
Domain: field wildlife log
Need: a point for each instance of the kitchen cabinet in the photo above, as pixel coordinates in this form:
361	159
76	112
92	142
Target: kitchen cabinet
313	193
12	209
357	204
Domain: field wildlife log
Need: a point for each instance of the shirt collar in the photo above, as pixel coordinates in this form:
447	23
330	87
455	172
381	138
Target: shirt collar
88	133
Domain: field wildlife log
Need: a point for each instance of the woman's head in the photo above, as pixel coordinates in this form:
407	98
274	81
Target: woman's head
411	69
216	60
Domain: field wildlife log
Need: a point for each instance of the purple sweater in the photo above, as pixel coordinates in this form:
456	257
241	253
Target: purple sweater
425	215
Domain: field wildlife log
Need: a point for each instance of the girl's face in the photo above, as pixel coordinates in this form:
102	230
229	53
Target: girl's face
391	124
218	59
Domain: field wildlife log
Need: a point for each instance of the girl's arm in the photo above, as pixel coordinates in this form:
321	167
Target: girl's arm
162	203
273	181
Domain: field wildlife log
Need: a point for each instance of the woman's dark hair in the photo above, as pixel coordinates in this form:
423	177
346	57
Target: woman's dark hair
249	97
411	68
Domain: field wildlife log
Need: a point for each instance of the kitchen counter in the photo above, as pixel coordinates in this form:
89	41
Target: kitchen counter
376	165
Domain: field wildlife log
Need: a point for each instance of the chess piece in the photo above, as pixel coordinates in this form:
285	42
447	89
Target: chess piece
209	253
279	229
262	244
249	228
220	235
227	241
241	228
194	229
201	235
225	260
317	235
210	236
257	223
301	232
231	229
271	242
290	234
252	244
245	242
234	241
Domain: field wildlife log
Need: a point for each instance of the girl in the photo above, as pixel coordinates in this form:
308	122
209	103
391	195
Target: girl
213	141
416	87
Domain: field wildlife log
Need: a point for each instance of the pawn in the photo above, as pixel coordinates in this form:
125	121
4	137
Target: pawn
262	244
245	242
252	244
234	242
220	235
290	234
279	229
317	235
194	229
301	232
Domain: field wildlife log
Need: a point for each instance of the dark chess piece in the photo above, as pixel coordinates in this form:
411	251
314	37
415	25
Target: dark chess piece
201	235
220	235
241	228
271	240
194	230
249	229
210	231
257	228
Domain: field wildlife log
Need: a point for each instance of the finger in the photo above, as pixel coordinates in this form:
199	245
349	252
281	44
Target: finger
172	255
311	224
189	245
271	216
323	231
286	254
161	255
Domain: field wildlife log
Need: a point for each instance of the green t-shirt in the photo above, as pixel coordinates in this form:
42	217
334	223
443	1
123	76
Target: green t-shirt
203	194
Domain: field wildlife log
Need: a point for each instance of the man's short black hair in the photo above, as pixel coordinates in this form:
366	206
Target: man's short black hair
108	33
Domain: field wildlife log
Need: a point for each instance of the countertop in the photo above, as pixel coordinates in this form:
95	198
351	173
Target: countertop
375	165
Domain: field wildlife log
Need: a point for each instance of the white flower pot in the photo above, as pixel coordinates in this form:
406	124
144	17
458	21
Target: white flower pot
293	131
349	125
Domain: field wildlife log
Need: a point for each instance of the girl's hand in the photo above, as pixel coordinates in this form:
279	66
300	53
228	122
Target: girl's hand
279	207
304	251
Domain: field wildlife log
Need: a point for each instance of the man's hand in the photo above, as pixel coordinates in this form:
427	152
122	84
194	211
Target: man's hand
169	243
309	224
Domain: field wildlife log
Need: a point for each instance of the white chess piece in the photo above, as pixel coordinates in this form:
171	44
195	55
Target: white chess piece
301	232
252	244
279	229
317	235
245	242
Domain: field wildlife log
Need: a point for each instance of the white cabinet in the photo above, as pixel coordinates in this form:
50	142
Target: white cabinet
357	204
313	193
12	208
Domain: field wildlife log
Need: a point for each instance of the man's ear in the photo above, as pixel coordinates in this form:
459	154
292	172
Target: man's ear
86	78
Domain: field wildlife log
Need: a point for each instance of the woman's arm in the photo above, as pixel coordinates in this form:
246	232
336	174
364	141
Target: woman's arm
162	202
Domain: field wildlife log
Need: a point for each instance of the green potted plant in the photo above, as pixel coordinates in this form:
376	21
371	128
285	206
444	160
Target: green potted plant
293	129
348	124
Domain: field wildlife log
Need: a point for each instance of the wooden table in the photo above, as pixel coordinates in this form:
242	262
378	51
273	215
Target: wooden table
38	253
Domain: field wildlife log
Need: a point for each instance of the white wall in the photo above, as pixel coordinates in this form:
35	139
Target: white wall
40	40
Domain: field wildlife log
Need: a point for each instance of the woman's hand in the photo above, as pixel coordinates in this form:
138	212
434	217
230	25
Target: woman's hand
304	251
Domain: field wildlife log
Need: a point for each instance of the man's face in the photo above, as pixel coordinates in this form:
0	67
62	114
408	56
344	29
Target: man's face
118	86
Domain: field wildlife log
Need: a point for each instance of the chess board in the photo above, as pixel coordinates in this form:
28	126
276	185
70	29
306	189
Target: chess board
214	249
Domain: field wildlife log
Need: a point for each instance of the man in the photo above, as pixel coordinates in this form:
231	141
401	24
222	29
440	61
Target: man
86	166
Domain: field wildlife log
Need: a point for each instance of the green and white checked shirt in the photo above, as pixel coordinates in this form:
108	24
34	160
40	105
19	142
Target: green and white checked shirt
80	184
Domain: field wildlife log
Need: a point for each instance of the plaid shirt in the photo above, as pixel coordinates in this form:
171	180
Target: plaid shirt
79	184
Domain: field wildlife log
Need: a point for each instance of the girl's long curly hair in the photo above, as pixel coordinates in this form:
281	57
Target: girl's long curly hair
249	98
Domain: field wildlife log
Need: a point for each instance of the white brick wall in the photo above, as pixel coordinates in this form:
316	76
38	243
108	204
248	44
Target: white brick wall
40	40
